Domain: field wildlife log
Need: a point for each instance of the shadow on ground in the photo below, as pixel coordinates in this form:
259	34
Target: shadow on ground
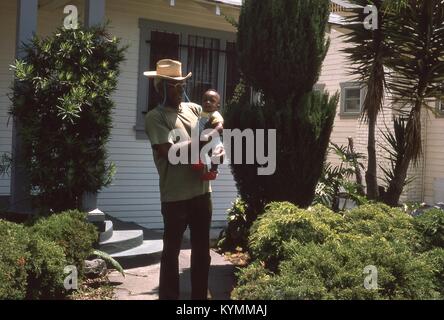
142	273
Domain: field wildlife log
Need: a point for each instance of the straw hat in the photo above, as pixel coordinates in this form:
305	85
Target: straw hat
168	69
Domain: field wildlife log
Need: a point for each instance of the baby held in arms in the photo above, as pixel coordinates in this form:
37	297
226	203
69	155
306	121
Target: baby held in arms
212	122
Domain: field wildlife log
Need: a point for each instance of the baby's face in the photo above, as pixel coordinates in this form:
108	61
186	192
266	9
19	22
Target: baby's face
211	101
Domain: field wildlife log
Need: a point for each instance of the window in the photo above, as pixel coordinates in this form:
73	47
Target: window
203	62
163	46
352	97
440	107
208	54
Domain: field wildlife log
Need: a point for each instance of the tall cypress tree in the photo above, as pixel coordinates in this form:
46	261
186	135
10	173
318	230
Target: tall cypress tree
281	47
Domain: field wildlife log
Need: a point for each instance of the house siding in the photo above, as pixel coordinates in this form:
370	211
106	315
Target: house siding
334	72
434	153
7	54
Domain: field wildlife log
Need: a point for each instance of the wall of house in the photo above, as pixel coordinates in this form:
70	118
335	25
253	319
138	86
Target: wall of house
434	153
7	53
334	72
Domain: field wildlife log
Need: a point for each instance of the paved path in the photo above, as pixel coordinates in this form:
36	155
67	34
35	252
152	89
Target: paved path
141	283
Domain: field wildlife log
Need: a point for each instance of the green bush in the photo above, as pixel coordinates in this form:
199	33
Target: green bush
72	232
283	222
255	283
32	259
430	225
336	271
435	259
62	97
287	39
236	233
14	259
317	254
382	221
45	269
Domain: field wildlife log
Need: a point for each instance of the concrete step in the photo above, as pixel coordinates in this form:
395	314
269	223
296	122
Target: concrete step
122	241
108	232
96	216
146	248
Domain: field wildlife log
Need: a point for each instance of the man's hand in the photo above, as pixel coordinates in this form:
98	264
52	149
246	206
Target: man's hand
163	149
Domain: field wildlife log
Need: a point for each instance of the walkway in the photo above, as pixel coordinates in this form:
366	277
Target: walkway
142	277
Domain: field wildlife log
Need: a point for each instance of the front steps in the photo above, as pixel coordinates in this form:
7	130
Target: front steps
122	244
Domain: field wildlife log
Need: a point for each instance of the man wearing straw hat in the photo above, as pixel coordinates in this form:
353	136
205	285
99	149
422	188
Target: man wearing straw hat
185	198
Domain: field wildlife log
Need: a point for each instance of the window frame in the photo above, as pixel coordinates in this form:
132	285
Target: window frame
351	85
440	108
145	28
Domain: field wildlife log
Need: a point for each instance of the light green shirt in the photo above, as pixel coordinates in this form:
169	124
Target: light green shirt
214	117
177	182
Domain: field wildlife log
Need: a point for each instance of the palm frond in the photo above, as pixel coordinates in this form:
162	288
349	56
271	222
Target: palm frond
395	146
109	260
416	39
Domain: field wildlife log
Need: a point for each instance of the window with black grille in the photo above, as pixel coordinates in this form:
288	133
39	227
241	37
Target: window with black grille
203	62
164	45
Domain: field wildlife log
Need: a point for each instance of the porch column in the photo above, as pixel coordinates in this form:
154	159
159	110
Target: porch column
94	15
94	12
26	27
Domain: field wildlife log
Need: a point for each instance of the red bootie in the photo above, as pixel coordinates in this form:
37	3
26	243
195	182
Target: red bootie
209	176
198	166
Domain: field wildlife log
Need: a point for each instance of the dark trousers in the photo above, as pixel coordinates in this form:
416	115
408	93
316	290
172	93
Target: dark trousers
195	213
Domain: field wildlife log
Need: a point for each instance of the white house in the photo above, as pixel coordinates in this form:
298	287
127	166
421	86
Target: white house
197	33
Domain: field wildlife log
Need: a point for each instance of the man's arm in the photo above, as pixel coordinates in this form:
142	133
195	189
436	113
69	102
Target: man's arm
159	135
164	149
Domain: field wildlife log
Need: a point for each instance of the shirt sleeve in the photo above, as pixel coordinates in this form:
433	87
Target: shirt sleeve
216	118
197	109
156	130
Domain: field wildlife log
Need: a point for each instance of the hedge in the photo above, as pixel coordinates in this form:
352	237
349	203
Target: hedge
32	259
318	254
